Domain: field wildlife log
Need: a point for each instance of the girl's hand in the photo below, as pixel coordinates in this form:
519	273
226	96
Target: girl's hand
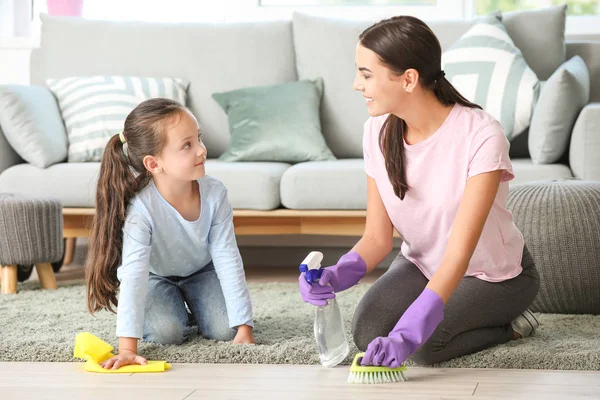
123	358
244	335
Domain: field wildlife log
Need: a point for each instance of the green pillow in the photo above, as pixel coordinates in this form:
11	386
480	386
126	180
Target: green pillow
275	123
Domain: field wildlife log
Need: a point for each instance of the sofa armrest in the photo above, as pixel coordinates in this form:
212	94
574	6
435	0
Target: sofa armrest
8	157
584	154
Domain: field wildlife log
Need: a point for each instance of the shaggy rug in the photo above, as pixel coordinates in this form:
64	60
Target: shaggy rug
40	325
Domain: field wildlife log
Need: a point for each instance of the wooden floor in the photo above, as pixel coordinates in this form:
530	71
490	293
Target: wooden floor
203	381
219	381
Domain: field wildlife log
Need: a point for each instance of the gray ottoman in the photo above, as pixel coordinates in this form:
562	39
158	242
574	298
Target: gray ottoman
560	221
31	231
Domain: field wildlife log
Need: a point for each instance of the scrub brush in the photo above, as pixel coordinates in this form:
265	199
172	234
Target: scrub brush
373	374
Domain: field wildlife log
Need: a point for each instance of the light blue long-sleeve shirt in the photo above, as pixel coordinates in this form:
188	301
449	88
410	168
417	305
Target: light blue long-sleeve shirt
157	239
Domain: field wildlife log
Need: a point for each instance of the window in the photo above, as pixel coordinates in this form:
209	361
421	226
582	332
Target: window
584	15
361	9
575	7
300	3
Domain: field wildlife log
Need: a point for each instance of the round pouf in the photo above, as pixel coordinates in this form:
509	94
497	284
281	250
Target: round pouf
31	232
560	221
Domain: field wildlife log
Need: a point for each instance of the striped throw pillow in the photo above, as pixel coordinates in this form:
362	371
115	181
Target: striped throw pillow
486	67
94	108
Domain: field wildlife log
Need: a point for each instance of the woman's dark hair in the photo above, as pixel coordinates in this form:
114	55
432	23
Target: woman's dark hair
121	177
402	43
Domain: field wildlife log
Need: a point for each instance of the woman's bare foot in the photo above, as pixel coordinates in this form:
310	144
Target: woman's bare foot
516	335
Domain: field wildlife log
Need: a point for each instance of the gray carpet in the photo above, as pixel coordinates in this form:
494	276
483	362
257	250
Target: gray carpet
39	325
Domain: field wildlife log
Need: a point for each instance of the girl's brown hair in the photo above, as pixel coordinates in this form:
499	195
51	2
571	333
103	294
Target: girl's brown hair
402	43
122	175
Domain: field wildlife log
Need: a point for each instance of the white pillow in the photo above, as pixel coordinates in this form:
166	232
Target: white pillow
94	108
486	67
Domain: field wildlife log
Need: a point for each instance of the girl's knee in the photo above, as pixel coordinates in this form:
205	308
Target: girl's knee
166	332
222	334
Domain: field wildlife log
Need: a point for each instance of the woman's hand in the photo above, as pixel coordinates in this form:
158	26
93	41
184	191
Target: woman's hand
125	357
414	328
244	335
348	271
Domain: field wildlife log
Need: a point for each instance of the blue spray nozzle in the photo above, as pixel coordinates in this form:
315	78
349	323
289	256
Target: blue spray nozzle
312	266
313	275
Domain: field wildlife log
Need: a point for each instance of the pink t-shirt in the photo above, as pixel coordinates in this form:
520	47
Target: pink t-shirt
468	143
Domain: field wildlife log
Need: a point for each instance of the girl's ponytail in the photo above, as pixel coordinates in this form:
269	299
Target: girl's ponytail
121	177
117	184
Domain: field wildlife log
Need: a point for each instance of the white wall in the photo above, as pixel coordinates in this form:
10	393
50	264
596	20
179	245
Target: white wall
16	32
14	60
15	18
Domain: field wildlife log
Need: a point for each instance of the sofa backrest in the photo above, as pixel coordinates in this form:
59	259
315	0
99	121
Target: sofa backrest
220	57
325	47
213	57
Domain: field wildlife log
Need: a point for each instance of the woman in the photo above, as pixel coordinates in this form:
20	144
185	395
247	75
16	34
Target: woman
438	170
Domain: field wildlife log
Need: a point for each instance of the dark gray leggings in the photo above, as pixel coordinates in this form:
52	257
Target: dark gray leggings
477	315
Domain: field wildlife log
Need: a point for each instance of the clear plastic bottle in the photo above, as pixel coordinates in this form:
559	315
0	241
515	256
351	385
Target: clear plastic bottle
329	327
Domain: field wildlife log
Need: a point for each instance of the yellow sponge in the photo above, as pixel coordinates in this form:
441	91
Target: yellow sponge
95	351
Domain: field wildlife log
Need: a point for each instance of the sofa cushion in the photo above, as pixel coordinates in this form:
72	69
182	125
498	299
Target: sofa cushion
562	97
275	123
342	184
526	171
214	57
329	185
249	185
325	48
540	35
74	184
31	122
94	108
486	67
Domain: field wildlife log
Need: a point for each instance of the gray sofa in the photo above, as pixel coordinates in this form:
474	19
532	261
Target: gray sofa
221	57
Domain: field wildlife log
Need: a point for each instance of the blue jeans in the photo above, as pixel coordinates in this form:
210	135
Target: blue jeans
167	320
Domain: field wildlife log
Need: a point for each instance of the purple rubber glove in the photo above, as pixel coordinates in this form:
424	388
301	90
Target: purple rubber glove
412	330
349	269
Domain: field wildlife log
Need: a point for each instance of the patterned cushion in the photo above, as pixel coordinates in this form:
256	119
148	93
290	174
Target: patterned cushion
95	107
488	69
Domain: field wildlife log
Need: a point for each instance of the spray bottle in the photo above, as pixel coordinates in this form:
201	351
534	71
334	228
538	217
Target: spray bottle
329	327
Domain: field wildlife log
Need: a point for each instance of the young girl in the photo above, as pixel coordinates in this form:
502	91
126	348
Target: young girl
437	170
163	235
